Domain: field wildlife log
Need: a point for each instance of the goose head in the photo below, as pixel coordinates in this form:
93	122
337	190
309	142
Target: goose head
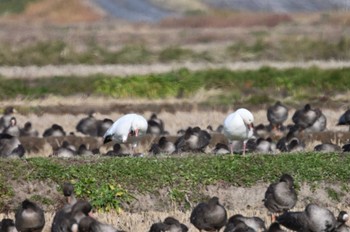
247	118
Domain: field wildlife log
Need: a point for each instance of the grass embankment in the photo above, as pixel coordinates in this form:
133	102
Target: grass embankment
108	182
257	48
244	87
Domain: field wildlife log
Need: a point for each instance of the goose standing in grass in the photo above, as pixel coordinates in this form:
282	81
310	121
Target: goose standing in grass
313	218
280	196
127	129
344	119
209	216
170	224
239	126
29	217
277	114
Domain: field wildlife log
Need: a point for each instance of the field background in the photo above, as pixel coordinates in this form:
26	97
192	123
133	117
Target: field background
191	62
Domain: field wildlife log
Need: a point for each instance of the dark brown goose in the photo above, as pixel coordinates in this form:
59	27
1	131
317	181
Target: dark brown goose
342	218
251	224
89	224
28	131
221	149
209	216
62	221
155	125
103	126
29	217
194	140
345	119
68	220
65	150
280	196
277	114
170	224
12	129
305	117
313	218
265	146
164	146
327	147
320	123
7	225
88	125
275	227
6	118
10	146
54	130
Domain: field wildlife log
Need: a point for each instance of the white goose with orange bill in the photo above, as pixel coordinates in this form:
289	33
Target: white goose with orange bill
127	129
239	126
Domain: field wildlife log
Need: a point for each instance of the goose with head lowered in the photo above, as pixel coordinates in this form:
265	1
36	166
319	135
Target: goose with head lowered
29	217
209	216
313	218
239	126
280	196
276	115
127	129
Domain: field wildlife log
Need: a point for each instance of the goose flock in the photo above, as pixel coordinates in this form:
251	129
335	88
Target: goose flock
236	135
211	215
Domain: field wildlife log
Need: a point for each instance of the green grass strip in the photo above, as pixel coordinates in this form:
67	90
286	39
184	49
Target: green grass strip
107	182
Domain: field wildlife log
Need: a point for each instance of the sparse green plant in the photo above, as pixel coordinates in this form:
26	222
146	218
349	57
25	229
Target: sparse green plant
109	182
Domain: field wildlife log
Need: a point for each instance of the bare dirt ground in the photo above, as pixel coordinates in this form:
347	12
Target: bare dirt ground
148	209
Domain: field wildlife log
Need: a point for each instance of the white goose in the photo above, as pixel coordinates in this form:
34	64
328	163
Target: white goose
239	126
127	129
